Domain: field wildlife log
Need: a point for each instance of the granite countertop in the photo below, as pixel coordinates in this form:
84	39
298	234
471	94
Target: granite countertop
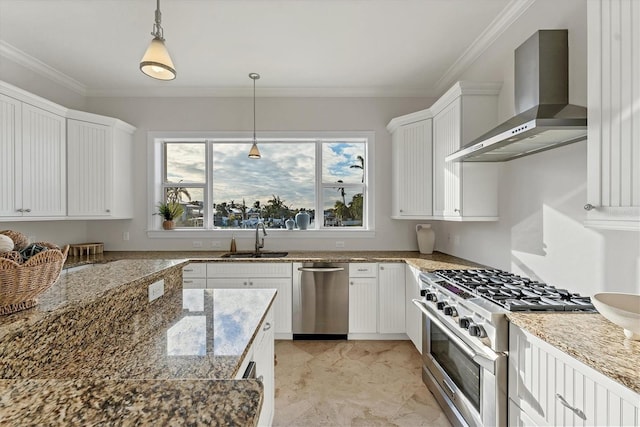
103	353
589	338
430	262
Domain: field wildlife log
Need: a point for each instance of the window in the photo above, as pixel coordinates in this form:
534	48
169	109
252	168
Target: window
220	188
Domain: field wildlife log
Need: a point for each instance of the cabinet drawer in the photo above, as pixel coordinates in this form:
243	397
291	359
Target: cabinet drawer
363	269
248	269
199	283
195	270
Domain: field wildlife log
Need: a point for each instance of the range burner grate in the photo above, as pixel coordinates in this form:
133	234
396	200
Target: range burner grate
516	293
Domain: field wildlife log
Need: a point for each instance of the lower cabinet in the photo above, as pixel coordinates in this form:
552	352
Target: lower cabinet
261	353
238	275
549	388
413	316
376	300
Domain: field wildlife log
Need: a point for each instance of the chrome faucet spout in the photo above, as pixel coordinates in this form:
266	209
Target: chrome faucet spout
260	243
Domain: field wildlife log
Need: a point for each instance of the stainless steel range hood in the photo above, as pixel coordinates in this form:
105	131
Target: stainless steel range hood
545	118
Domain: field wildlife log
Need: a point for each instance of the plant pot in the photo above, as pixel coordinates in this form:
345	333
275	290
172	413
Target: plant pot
168	225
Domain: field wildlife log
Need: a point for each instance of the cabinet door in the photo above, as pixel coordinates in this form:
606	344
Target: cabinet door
89	168
413	316
412	152
282	305
446	175
391	288
263	355
613	154
517	418
10	156
363	305
43	163
554	389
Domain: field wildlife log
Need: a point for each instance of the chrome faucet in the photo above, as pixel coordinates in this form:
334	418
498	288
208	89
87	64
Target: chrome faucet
260	245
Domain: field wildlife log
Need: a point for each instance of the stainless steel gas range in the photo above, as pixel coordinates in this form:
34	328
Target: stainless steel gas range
465	336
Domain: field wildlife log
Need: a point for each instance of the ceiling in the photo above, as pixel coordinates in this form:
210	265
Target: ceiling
299	47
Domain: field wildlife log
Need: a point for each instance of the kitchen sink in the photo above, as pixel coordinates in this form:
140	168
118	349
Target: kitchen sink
255	255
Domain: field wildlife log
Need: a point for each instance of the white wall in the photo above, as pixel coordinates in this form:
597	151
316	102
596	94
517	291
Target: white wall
540	232
273	114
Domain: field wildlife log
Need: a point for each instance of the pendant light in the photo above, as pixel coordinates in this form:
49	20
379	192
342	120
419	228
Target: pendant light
156	61
254	153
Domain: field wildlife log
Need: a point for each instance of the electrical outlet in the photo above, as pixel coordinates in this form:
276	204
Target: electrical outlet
197	244
339	244
156	290
125	235
216	244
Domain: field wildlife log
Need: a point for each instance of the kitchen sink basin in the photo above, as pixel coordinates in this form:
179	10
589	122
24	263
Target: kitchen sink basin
622	310
255	255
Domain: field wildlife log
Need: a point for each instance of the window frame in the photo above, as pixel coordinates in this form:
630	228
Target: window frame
156	174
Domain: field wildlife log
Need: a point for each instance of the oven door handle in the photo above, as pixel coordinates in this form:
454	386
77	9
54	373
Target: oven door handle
483	360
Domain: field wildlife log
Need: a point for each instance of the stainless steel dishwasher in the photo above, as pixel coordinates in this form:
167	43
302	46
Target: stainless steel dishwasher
321	301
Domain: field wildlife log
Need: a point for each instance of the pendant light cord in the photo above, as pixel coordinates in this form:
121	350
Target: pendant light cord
254	110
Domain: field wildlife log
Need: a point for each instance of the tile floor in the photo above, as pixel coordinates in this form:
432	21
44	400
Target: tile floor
352	383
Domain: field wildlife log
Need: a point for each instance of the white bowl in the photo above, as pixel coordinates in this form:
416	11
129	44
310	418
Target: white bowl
621	309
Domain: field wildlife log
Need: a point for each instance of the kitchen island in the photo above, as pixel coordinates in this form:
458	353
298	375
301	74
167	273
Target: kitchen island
96	350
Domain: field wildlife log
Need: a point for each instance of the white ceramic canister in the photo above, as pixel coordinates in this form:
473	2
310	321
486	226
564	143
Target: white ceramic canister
426	238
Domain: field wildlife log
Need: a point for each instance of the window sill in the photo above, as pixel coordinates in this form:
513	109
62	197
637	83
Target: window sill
275	233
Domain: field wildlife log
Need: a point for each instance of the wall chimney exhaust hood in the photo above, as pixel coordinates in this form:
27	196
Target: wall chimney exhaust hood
545	118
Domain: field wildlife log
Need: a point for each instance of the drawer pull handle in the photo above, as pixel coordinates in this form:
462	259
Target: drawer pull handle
267	326
187	281
576	411
589	207
260	378
188	270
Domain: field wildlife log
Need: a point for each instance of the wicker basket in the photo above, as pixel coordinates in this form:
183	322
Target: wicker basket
20	241
21	284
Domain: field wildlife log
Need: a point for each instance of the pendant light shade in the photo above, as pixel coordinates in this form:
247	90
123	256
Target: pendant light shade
156	61
254	153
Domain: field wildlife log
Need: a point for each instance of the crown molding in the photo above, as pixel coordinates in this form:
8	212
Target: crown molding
22	58
499	25
236	92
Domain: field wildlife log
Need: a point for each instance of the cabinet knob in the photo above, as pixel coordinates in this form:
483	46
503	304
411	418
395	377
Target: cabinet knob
244	283
108	210
351	283
27	210
589	207
260	378
381	268
19	210
457	210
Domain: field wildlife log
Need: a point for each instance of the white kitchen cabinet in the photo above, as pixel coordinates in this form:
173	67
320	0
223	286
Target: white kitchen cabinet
261	353
391	297
551	388
464	191
194	276
412	166
267	275
413	316
613	144
363	305
33	153
99	167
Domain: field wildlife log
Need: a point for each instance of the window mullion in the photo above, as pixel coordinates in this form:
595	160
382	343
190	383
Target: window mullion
319	208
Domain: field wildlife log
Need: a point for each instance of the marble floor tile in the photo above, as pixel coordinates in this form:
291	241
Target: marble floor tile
352	383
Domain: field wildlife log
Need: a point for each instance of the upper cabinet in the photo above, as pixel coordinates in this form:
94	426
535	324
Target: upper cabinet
57	163
424	185
412	167
99	166
613	166
33	158
464	191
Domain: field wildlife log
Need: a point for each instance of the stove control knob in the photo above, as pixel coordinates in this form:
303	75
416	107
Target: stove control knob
440	305
450	311
431	296
477	331
464	322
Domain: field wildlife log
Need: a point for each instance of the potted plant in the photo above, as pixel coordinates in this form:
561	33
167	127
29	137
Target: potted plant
169	212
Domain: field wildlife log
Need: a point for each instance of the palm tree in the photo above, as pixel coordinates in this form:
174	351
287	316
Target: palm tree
360	166
174	194
342	192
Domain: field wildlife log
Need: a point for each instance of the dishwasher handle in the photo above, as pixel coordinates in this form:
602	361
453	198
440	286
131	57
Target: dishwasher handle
321	269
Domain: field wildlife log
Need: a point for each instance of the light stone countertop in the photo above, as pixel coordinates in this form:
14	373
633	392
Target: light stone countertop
589	338
98	348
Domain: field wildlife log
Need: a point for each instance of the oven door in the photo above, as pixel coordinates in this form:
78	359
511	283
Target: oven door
469	383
